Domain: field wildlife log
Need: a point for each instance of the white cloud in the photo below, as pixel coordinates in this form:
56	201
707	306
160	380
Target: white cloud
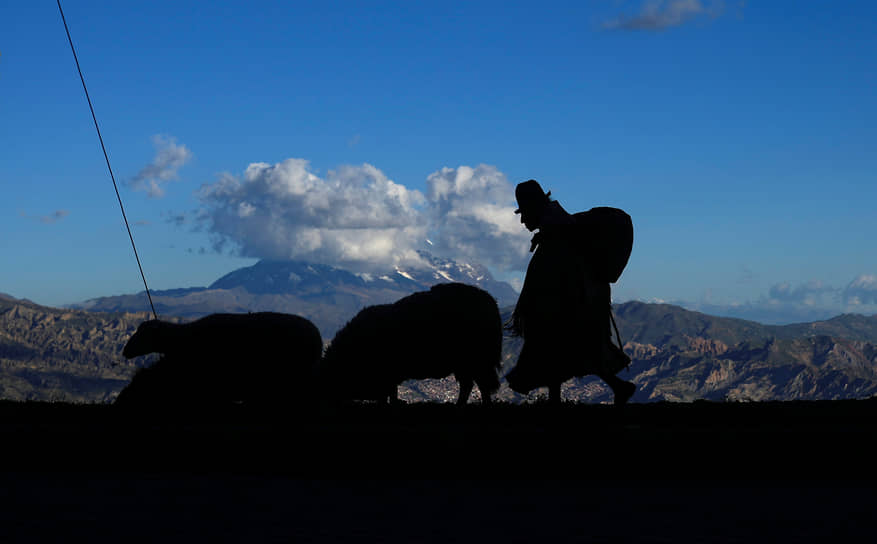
472	213
812	293
862	290
169	158
357	218
662	14
810	301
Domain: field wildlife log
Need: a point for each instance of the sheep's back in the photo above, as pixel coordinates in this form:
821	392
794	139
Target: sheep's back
423	335
262	335
452	327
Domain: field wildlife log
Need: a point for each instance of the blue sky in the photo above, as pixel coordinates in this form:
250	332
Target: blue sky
739	136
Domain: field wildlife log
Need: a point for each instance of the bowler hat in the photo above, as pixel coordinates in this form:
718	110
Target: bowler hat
530	195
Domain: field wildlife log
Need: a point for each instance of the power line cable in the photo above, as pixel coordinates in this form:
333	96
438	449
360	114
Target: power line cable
107	158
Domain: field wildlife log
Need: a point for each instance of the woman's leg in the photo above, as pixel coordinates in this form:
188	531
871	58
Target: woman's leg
622	390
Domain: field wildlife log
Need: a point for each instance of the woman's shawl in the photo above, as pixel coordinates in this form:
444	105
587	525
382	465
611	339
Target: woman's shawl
561	313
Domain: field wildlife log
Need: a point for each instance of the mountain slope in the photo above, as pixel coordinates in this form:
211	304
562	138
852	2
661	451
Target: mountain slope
326	295
678	355
665	324
54	354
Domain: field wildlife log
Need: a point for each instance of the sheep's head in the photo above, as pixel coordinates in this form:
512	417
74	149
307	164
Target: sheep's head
144	340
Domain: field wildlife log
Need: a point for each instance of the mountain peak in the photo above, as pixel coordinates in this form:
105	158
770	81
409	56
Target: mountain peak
300	278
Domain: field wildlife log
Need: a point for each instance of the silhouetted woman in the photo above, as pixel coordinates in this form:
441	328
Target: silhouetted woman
563	311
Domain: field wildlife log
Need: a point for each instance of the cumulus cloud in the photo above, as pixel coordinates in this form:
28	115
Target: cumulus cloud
810	301
662	14
169	158
859	296
809	294
862	290
357	218
472	213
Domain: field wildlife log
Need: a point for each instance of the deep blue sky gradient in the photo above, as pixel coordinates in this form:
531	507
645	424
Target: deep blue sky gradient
741	138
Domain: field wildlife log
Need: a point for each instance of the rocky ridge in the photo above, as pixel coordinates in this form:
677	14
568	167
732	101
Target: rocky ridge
678	355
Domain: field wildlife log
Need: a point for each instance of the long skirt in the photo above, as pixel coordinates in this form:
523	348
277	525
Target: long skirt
565	340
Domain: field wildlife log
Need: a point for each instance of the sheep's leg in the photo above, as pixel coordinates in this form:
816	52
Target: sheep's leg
554	393
465	389
485	397
393	395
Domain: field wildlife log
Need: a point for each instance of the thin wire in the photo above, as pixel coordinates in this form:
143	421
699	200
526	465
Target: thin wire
107	158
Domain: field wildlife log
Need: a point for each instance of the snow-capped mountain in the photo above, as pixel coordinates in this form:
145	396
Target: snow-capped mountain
327	295
307	279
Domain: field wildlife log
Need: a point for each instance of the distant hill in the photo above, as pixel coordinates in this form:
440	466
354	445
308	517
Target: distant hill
65	355
10	298
684	355
669	325
678	355
326	295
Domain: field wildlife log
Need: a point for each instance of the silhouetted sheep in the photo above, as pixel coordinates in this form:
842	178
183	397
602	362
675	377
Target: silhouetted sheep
168	382
256	358
451	329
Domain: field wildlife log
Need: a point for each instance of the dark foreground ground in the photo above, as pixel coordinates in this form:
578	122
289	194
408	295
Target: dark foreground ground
701	472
